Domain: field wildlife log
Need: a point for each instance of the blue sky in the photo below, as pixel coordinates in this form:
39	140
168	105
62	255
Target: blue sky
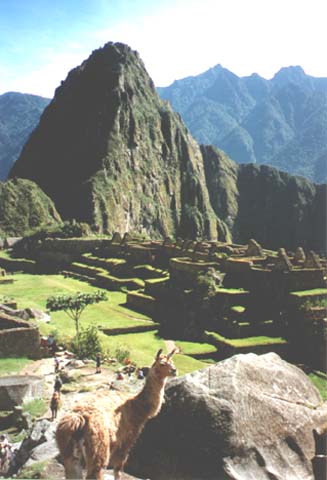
41	40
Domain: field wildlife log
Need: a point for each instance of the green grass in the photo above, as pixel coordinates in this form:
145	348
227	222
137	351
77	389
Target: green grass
6	254
11	366
194	348
143	348
33	291
309	293
231	291
33	471
320	381
36	408
248	341
237	309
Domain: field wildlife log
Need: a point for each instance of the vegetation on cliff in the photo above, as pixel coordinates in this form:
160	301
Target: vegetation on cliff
109	152
24	208
258	201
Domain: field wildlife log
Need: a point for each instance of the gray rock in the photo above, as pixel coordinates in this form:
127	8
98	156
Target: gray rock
16	389
38	314
38	445
248	417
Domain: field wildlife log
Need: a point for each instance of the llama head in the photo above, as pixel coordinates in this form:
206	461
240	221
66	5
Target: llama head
163	366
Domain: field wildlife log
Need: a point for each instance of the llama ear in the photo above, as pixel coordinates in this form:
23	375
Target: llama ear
158	354
175	350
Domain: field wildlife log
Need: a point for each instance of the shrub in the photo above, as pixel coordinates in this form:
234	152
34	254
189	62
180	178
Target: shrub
122	353
73	229
88	344
206	284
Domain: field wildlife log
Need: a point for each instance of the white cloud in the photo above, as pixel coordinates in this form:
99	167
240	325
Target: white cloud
244	36
186	37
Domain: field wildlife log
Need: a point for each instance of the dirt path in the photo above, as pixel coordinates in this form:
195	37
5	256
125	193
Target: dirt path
87	380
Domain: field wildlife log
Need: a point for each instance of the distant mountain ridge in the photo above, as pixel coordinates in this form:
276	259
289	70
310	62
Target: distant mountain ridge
19	115
281	122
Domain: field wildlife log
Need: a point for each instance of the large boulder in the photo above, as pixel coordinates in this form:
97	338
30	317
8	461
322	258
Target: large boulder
247	417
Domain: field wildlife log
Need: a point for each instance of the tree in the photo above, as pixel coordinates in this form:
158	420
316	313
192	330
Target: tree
74	305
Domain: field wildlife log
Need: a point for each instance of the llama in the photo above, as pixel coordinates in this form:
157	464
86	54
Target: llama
94	436
54	404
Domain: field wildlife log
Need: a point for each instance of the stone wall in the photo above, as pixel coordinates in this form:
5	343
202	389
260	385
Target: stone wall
16	265
74	245
20	342
6	321
305	279
141	303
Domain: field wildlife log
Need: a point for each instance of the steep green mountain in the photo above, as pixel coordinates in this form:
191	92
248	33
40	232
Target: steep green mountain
19	114
24	208
109	152
281	122
259	201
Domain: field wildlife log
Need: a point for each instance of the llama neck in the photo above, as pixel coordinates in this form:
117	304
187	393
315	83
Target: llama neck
150	399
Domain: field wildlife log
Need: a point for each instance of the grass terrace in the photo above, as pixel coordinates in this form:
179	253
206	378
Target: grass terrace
33	291
247	342
143	347
319	380
11	366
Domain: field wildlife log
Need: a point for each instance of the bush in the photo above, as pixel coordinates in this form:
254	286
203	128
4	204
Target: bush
73	229
88	344
122	353
205	285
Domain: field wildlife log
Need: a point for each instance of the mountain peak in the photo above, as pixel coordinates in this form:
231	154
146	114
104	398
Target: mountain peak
109	152
293	74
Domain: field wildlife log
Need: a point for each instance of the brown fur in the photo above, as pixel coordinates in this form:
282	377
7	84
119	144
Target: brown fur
91	436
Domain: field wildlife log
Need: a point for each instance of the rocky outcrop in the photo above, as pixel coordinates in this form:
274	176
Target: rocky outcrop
35	208
16	389
246	417
258	201
109	152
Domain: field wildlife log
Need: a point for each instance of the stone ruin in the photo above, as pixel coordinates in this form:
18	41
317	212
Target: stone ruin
254	249
299	256
18	337
312	261
116	238
283	263
126	238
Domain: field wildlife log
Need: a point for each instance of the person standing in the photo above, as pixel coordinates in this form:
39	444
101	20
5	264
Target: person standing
98	363
57	384
56	364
